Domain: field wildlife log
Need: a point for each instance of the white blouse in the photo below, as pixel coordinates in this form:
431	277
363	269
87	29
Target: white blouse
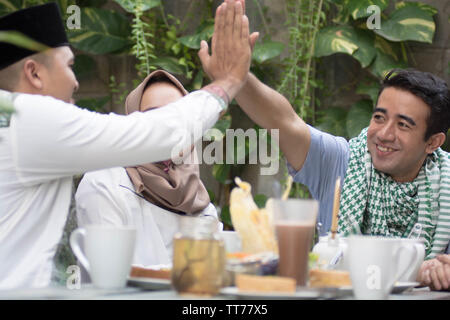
107	197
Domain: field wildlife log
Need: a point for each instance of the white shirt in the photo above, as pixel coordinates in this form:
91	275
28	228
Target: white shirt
48	141
108	197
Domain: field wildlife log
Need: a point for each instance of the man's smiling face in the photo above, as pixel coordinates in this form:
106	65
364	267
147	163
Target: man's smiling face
396	134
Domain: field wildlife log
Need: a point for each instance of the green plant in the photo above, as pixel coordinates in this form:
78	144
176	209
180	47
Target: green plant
378	50
298	79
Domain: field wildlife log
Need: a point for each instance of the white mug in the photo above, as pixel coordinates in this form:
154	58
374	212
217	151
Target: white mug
108	253
411	273
374	264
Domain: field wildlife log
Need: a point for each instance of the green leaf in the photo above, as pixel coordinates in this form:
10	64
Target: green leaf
84	66
358	117
198	80
391	49
425	7
332	121
366	51
370	89
102	31
336	39
225	215
221	172
409	22
130	5
260	200
212	195
21	40
267	50
169	64
93	104
358	8
384	63
193	41
7	6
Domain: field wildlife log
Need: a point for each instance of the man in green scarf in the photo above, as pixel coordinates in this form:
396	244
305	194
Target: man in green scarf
396	174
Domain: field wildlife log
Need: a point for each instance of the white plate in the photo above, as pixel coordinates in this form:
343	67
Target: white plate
150	283
399	287
301	293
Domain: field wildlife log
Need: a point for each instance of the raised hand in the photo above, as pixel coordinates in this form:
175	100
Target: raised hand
229	62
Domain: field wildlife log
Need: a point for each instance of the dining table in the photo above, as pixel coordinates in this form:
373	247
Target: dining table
89	292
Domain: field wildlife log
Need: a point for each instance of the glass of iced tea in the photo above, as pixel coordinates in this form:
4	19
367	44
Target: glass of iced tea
294	221
198	257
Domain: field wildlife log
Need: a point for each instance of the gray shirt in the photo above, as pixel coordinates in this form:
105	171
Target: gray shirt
327	159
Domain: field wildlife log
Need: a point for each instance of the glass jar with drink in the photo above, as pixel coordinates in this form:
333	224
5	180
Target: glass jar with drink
198	257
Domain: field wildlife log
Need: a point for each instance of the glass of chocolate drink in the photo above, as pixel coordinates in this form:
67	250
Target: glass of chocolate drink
294	221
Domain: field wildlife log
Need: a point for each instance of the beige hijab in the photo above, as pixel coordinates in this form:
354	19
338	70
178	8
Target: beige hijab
177	188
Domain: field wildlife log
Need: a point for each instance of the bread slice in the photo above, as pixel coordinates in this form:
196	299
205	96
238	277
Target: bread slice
251	283
149	273
319	278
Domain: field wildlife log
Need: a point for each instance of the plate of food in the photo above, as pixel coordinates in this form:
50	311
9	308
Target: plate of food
276	287
150	278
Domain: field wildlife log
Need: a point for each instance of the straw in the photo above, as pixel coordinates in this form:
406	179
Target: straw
288	188
337	196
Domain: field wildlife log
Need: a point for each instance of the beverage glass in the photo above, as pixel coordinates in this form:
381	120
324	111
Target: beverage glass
295	221
198	257
107	255
375	264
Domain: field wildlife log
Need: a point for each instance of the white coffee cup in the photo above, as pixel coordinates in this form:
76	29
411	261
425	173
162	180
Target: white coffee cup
374	264
411	273
108	253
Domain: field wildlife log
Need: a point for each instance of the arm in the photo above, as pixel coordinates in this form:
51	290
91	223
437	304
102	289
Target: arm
52	139
264	106
271	110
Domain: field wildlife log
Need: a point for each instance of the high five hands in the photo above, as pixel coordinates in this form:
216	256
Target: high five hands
231	47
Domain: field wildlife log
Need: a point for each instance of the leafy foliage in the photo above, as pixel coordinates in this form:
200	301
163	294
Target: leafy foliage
378	50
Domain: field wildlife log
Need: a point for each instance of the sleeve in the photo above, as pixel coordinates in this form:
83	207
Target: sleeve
97	203
52	139
327	159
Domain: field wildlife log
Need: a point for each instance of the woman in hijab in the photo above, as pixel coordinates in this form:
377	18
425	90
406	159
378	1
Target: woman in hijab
152	197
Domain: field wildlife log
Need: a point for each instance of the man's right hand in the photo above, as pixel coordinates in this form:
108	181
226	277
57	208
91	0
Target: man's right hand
229	62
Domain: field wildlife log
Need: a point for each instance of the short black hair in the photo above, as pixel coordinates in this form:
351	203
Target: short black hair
428	87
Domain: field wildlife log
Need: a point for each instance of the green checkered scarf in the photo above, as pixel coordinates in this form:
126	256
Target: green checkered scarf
382	206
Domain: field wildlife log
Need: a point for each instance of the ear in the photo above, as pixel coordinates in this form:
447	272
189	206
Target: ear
435	141
33	74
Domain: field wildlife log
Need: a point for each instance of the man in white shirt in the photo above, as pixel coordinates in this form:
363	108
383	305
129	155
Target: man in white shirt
48	140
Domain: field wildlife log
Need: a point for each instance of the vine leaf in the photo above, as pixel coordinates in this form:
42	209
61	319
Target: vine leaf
336	39
358	117
384	63
358	8
267	50
193	41
130	5
370	89
221	172
366	51
409	22
169	64
102	31
332	121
